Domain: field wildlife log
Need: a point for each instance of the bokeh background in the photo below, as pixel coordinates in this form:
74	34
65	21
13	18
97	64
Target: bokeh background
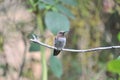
91	23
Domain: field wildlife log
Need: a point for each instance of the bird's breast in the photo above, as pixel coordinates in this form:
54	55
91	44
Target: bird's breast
60	42
62	39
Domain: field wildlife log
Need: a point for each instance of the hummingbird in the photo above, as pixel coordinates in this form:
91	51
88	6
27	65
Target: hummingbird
59	42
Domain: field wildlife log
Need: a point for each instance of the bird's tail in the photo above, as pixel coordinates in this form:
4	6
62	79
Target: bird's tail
56	52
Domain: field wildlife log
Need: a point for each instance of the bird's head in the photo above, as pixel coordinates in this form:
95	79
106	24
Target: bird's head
62	33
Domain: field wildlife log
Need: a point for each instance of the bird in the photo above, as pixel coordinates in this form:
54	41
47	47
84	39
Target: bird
59	42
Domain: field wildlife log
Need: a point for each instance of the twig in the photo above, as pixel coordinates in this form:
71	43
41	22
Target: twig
35	39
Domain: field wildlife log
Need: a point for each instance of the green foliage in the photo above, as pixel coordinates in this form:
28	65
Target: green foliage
56	66
56	22
55	5
33	4
50	2
41	6
28	73
46	4
84	7
1	43
118	1
114	65
34	47
64	10
118	36
69	2
60	22
56	19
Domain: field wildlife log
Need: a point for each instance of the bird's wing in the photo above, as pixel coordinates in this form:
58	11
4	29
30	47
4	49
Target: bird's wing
55	41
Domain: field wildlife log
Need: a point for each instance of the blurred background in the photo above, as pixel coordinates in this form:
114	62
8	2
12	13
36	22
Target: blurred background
91	24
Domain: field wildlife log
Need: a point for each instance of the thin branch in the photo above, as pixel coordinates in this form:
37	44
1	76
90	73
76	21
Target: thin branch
35	39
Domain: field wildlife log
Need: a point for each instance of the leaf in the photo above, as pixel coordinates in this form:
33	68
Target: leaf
114	66
64	10
41	6
50	2
69	2
31	10
32	3
118	36
118	58
54	9
56	22
34	47
56	66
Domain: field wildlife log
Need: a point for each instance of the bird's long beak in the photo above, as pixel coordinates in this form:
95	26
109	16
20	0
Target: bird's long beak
66	31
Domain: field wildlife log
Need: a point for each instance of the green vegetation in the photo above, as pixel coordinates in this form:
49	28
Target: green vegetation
91	23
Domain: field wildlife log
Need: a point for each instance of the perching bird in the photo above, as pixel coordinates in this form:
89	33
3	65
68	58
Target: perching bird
60	42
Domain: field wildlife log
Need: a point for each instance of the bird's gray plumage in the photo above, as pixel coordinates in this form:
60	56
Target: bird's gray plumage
59	43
